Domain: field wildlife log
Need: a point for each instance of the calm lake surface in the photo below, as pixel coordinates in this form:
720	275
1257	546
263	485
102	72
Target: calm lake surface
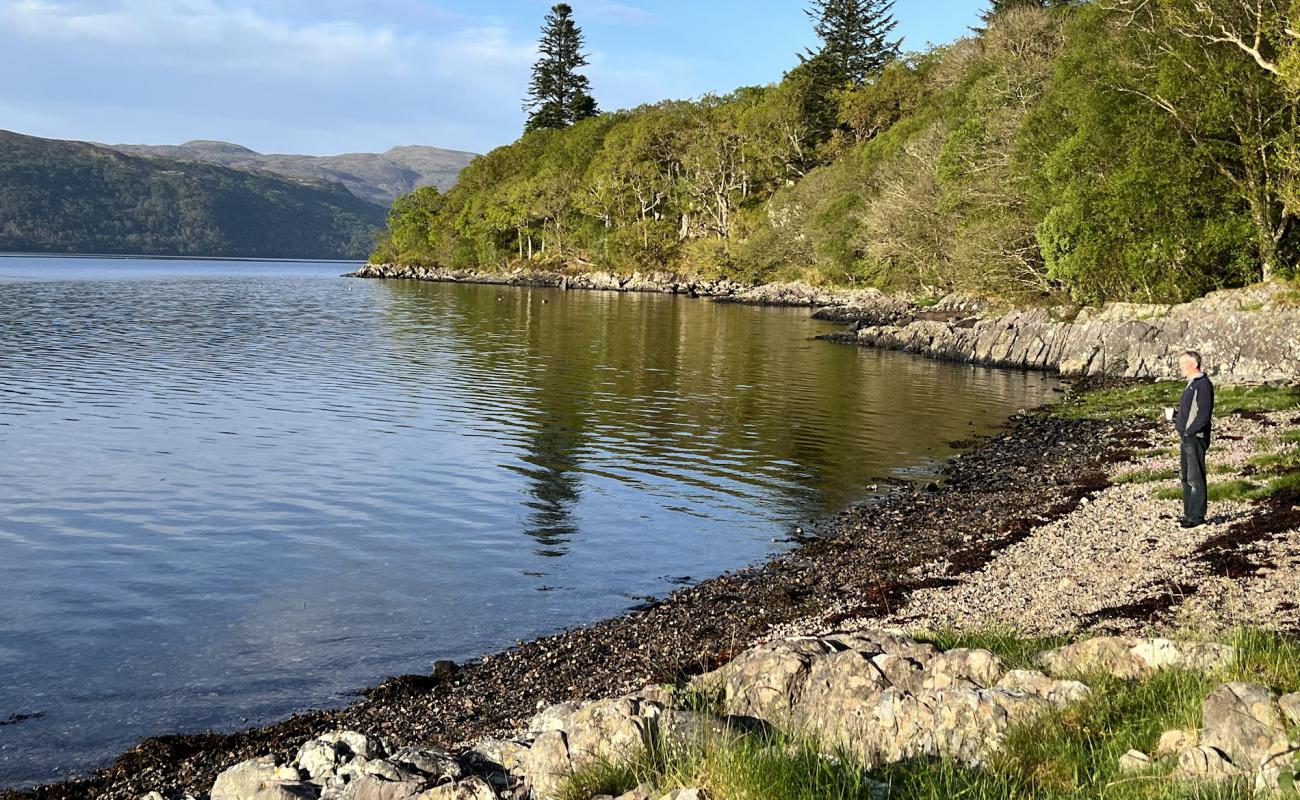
229	491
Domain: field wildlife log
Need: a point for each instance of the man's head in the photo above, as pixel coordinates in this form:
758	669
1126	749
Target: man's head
1189	364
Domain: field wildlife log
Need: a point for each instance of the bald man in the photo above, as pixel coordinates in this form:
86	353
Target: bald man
1192	420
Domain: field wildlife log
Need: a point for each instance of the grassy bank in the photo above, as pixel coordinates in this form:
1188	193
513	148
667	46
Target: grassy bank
1273	471
1071	752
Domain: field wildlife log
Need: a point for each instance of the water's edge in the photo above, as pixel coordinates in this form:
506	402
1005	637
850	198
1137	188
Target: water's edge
1245	335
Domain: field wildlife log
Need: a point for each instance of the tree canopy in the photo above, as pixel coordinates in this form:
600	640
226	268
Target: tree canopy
1067	149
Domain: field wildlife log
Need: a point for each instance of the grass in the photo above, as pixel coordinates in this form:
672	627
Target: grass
1016	651
1147	399
1156	452
1072	752
1219	491
1149	475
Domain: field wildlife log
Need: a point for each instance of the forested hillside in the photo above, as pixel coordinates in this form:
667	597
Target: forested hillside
73	197
1118	150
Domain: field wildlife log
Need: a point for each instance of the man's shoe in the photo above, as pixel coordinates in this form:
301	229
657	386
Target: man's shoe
1187	523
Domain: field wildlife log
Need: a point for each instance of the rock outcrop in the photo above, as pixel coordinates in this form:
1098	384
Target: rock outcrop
1244	334
878	696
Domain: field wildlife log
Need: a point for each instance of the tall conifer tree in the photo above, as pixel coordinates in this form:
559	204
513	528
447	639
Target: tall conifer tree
559	95
855	38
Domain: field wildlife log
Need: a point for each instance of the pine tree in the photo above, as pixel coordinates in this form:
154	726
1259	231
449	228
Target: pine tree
559	95
855	38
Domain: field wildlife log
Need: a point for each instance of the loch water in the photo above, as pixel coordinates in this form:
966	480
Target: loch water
234	490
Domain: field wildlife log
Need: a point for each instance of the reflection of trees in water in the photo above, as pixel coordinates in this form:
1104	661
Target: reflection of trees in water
738	393
553	458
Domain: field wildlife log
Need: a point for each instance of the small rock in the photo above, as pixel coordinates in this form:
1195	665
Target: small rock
1056	692
1203	762
1134	761
643	791
1175	741
287	790
473	788
685	794
444	669
1289	704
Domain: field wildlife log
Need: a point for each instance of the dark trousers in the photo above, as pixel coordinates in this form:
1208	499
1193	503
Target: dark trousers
1192	456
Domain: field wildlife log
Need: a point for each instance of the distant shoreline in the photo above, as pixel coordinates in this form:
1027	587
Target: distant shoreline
124	257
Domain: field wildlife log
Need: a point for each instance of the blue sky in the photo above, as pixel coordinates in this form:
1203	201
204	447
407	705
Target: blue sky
330	76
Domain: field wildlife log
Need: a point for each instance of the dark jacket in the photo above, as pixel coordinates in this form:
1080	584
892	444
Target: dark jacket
1195	409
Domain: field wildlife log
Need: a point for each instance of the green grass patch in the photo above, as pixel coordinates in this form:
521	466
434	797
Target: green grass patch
1267	658
1291	437
926	302
1147	475
1016	652
1218	491
1148	400
761	767
1156	452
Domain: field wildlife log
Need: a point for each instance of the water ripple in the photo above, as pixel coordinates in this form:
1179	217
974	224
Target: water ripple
239	490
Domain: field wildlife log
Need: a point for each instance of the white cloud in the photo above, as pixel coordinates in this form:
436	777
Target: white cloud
232	37
294	75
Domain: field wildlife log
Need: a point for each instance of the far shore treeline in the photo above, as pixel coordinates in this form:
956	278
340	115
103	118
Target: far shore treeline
1117	150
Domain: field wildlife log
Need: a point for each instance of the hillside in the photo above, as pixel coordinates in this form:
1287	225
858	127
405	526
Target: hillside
1083	151
378	177
73	197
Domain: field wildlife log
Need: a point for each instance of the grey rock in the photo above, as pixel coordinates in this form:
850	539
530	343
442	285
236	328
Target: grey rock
1134	761
1203	762
472	788
1032	682
1176	741
1130	657
1242	721
1120	339
433	763
1289	705
643	791
547	763
287	790
373	787
765	681
247	778
963	667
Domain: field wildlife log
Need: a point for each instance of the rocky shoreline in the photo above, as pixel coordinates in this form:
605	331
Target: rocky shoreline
1038	468
1246	335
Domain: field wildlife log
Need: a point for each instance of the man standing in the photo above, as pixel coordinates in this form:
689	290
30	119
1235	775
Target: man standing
1192	421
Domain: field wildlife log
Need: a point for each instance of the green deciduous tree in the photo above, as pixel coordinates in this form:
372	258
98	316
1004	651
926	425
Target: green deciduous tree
559	95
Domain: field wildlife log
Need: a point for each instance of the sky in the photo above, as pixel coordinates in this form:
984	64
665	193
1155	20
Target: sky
332	76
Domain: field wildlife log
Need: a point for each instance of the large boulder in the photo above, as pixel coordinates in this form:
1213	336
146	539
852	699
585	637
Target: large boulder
1131	657
244	780
765	681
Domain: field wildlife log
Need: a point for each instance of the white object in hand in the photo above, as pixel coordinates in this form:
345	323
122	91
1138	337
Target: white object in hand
1169	414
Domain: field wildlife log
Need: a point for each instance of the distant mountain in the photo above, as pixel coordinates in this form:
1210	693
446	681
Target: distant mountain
74	197
378	177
